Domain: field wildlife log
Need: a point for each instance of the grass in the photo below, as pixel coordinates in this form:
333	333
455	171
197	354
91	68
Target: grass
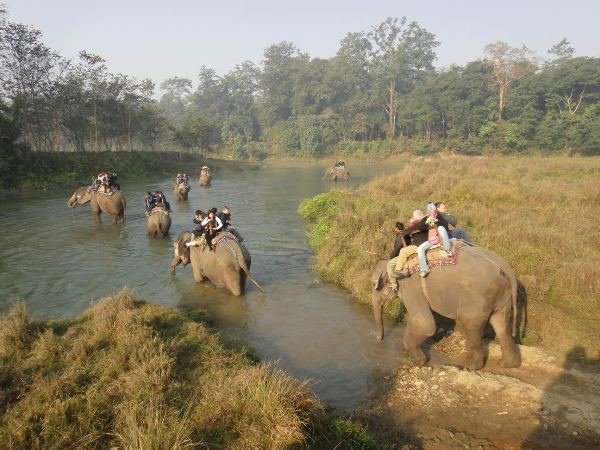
540	214
127	374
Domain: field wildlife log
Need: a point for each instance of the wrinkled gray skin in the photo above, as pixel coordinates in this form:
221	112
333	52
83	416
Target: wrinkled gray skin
481	288
205	178
110	204
338	173
158	223
227	266
181	191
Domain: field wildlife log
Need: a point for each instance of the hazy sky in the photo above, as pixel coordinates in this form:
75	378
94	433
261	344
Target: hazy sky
161	39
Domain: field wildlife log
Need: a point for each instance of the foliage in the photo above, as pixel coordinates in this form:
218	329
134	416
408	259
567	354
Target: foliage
502	214
380	85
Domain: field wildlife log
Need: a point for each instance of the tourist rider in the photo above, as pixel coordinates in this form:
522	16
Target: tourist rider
198	228
399	243
437	231
225	216
212	225
150	202
161	200
456	232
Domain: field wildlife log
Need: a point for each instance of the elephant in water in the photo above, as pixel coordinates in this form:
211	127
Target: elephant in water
338	173
113	204
482	287
228	265
158	222
181	191
205	177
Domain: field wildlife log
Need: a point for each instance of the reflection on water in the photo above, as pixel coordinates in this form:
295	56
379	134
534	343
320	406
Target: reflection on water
60	262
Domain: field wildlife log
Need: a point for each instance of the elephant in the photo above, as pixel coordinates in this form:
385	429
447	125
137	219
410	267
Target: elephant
113	204
158	222
205	177
480	288
338	173
181	191
227	265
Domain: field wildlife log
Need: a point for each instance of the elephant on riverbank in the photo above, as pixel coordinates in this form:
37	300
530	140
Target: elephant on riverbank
181	191
205	177
481	288
228	265
337	173
113	204
158	222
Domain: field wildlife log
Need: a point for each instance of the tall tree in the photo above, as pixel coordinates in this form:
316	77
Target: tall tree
507	64
402	54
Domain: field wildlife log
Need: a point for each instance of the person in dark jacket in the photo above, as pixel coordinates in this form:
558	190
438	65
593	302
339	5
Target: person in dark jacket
399	243
456	232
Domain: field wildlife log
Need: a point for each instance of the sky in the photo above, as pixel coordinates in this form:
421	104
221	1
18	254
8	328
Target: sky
163	39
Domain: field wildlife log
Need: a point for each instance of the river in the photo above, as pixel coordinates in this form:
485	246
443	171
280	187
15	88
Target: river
60	262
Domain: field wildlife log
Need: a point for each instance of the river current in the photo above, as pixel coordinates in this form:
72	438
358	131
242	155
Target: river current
60	262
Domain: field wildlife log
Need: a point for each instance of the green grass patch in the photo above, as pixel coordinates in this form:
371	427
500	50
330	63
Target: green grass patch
540	214
127	374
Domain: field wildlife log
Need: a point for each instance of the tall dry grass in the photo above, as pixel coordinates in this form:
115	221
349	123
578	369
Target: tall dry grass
540	214
130	375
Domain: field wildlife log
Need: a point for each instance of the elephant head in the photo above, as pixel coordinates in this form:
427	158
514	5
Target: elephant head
81	196
181	253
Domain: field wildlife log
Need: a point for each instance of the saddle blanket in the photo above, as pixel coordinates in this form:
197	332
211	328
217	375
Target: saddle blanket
435	257
158	209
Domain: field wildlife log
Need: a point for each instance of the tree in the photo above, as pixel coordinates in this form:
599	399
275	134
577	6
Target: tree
562	50
507	64
402	55
175	98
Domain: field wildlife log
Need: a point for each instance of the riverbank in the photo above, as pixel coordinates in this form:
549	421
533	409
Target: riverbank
539	214
44	170
134	375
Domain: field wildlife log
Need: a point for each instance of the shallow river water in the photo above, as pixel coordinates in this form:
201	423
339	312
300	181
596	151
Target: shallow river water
60	262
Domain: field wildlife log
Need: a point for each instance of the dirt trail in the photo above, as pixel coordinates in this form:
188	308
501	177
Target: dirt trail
546	403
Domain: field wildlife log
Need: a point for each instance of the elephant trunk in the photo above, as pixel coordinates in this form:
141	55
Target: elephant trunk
378	302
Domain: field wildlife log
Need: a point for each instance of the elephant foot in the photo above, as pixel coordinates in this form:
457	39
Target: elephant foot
474	361
510	362
418	357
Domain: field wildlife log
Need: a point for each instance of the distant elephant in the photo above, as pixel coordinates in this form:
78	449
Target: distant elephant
205	177
337	173
113	204
228	265
158	222
181	191
482	287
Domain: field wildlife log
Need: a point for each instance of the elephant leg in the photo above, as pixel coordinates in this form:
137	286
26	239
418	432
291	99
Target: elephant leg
473	328
420	326
198	275
501	322
97	217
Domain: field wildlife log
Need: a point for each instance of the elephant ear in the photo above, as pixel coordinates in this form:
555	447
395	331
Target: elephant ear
377	280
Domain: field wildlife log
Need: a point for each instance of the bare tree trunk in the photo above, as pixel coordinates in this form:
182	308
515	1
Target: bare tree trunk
391	109
501	100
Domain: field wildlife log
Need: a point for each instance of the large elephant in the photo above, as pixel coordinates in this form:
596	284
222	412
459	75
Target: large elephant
158	222
205	177
181	191
113	204
228	265
338	173
480	288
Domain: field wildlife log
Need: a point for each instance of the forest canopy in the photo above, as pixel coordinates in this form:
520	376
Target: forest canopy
380	94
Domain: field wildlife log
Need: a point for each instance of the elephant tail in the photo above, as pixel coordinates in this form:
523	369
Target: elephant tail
513	293
242	262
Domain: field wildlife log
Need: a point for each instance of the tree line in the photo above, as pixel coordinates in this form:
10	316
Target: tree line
379	94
